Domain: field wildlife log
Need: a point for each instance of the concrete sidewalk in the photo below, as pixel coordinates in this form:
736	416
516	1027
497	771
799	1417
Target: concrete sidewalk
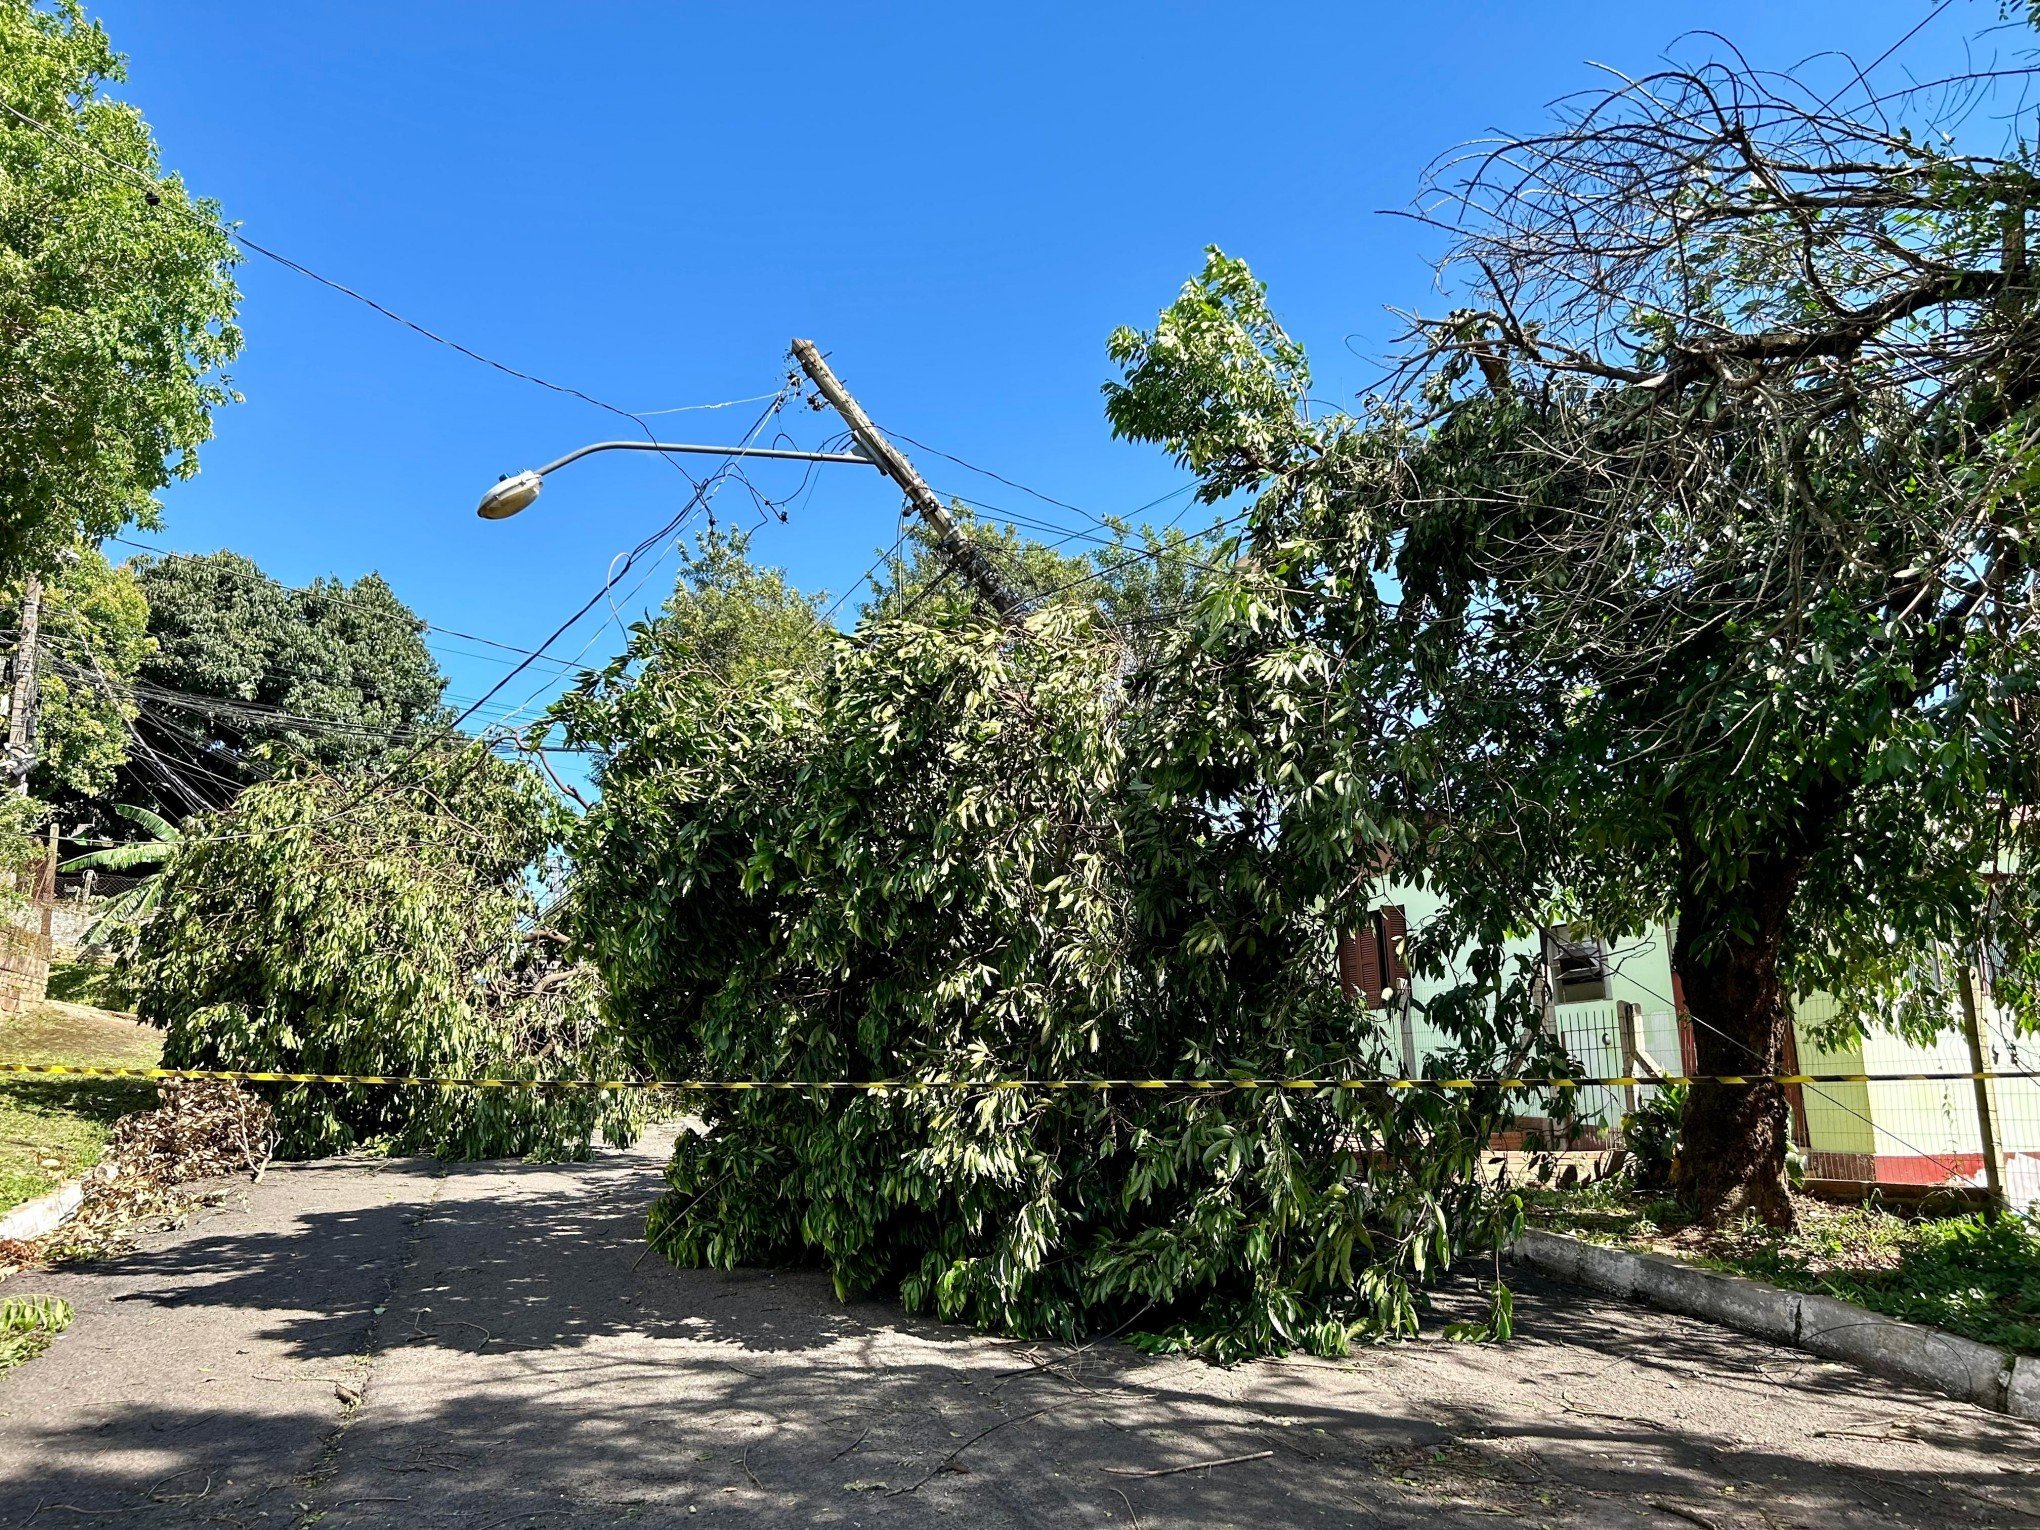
401	1344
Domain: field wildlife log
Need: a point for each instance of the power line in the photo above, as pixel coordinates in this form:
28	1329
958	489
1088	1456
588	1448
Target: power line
702	492
863	579
728	403
1047	499
144	181
1759	1057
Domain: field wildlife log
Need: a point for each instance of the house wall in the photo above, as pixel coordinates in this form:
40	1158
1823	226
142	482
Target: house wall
1921	1132
1916	1132
1640	974
1842	1137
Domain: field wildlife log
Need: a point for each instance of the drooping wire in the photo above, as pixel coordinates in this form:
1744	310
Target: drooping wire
143	181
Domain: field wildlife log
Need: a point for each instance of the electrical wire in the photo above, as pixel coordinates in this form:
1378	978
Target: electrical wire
144	181
863	579
1047	499
704	491
1755	1055
728	403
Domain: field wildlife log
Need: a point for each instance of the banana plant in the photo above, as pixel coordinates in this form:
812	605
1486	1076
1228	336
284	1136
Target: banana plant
138	902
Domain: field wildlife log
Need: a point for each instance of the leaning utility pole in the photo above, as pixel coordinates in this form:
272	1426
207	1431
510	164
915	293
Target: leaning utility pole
21	700
952	543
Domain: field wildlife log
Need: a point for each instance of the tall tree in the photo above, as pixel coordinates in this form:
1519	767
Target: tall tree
732	618
247	669
1691	574
117	297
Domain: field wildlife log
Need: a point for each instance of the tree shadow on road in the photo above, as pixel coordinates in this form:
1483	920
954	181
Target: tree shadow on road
894	1431
533	1365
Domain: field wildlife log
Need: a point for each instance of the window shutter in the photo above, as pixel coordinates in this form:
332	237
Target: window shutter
1395	930
1360	967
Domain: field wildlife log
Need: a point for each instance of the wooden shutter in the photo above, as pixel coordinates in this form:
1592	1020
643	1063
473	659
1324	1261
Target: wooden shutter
1360	966
1394	928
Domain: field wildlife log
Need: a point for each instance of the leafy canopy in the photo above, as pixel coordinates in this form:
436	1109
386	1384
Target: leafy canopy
954	849
732	618
1687	575
247	670
381	924
94	637
117	297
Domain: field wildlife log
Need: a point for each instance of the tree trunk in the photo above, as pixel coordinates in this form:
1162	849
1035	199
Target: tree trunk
1734	1136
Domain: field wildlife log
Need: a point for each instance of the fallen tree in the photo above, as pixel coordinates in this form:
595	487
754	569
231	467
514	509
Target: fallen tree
381	924
950	850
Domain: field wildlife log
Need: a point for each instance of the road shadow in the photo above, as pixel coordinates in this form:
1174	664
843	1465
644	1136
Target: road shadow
511	1255
881	1431
533	1365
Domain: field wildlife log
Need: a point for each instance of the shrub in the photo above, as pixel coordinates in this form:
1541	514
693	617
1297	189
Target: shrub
380	926
1650	1137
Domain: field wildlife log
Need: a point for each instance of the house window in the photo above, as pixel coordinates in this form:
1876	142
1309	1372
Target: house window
1577	963
1371	959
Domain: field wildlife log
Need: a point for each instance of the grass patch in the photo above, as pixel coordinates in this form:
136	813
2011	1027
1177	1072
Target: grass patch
52	1129
1969	1275
87	983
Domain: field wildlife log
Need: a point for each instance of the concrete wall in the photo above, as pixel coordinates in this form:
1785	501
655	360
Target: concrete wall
24	968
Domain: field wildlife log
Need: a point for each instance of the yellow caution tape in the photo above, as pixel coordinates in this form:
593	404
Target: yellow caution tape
922	1085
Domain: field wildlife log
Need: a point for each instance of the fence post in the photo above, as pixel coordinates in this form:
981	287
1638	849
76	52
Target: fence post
1625	1026
1993	1183
46	883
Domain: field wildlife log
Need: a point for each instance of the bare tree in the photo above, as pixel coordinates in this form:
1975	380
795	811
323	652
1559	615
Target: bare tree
1725	490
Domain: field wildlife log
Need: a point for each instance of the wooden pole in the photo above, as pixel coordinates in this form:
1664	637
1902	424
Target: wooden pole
46	888
1625	1029
1973	1034
21	700
952	544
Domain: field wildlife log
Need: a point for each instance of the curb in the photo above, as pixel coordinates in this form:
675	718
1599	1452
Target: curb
1835	1330
32	1219
52	1209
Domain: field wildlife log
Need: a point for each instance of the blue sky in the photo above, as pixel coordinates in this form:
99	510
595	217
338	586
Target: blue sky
646	201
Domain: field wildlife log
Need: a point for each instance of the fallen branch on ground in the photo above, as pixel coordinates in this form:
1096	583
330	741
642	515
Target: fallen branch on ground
1194	1466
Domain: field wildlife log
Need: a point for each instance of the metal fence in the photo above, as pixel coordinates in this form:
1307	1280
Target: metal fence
1905	1140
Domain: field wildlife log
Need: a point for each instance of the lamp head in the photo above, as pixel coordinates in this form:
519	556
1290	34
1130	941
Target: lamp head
509	496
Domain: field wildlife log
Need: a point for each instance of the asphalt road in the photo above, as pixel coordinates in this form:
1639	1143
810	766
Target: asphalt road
408	1344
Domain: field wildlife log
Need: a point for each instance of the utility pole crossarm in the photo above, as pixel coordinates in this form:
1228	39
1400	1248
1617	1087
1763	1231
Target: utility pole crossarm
952	543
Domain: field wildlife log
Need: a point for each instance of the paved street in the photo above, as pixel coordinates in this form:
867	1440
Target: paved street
405	1344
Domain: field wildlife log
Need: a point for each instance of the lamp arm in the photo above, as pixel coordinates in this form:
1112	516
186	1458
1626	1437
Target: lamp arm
706	451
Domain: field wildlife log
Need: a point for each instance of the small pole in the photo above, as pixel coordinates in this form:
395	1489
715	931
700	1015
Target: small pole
46	890
1993	1184
21	700
952	544
1625	1025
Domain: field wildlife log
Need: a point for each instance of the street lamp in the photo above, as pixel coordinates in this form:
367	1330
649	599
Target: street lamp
517	490
952	543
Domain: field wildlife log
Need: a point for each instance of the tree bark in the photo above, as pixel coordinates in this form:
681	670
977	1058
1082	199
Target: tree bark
1734	1136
